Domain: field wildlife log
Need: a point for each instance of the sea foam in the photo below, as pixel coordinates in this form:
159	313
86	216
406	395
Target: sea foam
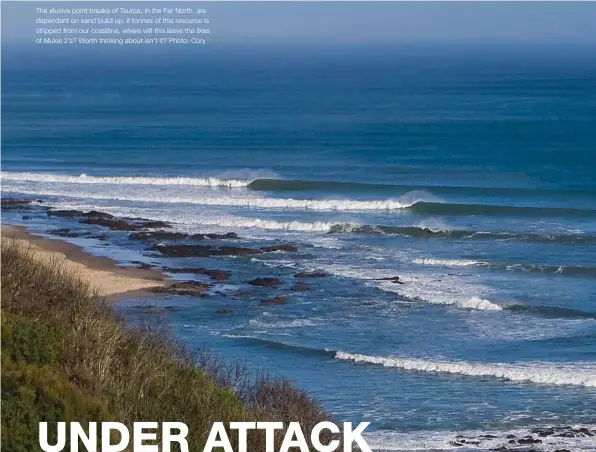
126	180
540	373
215	200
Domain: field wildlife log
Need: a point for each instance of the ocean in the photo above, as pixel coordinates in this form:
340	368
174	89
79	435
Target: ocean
467	171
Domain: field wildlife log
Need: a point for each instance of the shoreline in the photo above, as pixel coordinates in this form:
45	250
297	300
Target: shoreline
105	274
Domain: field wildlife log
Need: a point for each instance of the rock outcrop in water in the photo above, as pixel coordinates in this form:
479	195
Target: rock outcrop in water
194	288
393	279
157	235
300	287
287	248
527	442
18	203
109	221
113	224
311	275
274	301
216	275
203	250
266	282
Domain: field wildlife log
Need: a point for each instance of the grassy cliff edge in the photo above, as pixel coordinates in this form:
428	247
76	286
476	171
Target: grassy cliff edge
66	356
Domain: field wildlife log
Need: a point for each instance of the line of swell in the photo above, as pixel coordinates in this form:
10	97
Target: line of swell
226	200
539	373
126	180
414	202
262	184
280	345
338	186
436	208
551	311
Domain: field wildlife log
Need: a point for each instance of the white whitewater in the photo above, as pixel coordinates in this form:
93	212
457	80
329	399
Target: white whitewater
541	373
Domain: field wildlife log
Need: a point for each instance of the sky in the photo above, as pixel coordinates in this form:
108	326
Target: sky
363	22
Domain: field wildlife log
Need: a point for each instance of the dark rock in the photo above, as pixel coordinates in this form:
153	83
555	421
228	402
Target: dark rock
274	301
300	287
311	275
203	250
489	436
543	431
157	235
113	224
265	282
216	275
287	248
5	202
184	250
511	436
393	279
529	440
97	214
184	288
224	311
65	213
562	450
155	224
236	251
26	217
571	432
566	434
227	235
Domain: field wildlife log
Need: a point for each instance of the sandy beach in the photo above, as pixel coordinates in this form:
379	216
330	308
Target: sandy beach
104	274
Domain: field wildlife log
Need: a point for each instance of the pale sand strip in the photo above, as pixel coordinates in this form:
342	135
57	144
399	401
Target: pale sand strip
102	272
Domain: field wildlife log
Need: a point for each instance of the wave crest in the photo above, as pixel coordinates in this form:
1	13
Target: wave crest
127	180
540	373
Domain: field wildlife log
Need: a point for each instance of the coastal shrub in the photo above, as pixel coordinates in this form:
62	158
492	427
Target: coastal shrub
28	339
67	356
32	394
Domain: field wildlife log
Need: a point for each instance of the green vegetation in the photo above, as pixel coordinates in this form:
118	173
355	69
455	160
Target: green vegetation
67	357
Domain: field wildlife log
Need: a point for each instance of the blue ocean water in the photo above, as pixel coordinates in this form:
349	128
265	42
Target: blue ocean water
470	173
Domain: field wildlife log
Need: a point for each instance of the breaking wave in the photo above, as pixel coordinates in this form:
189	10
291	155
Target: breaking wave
568	270
263	203
449	262
539	373
127	180
480	304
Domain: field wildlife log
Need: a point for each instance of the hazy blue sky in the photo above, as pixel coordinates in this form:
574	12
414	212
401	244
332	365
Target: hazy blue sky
526	22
